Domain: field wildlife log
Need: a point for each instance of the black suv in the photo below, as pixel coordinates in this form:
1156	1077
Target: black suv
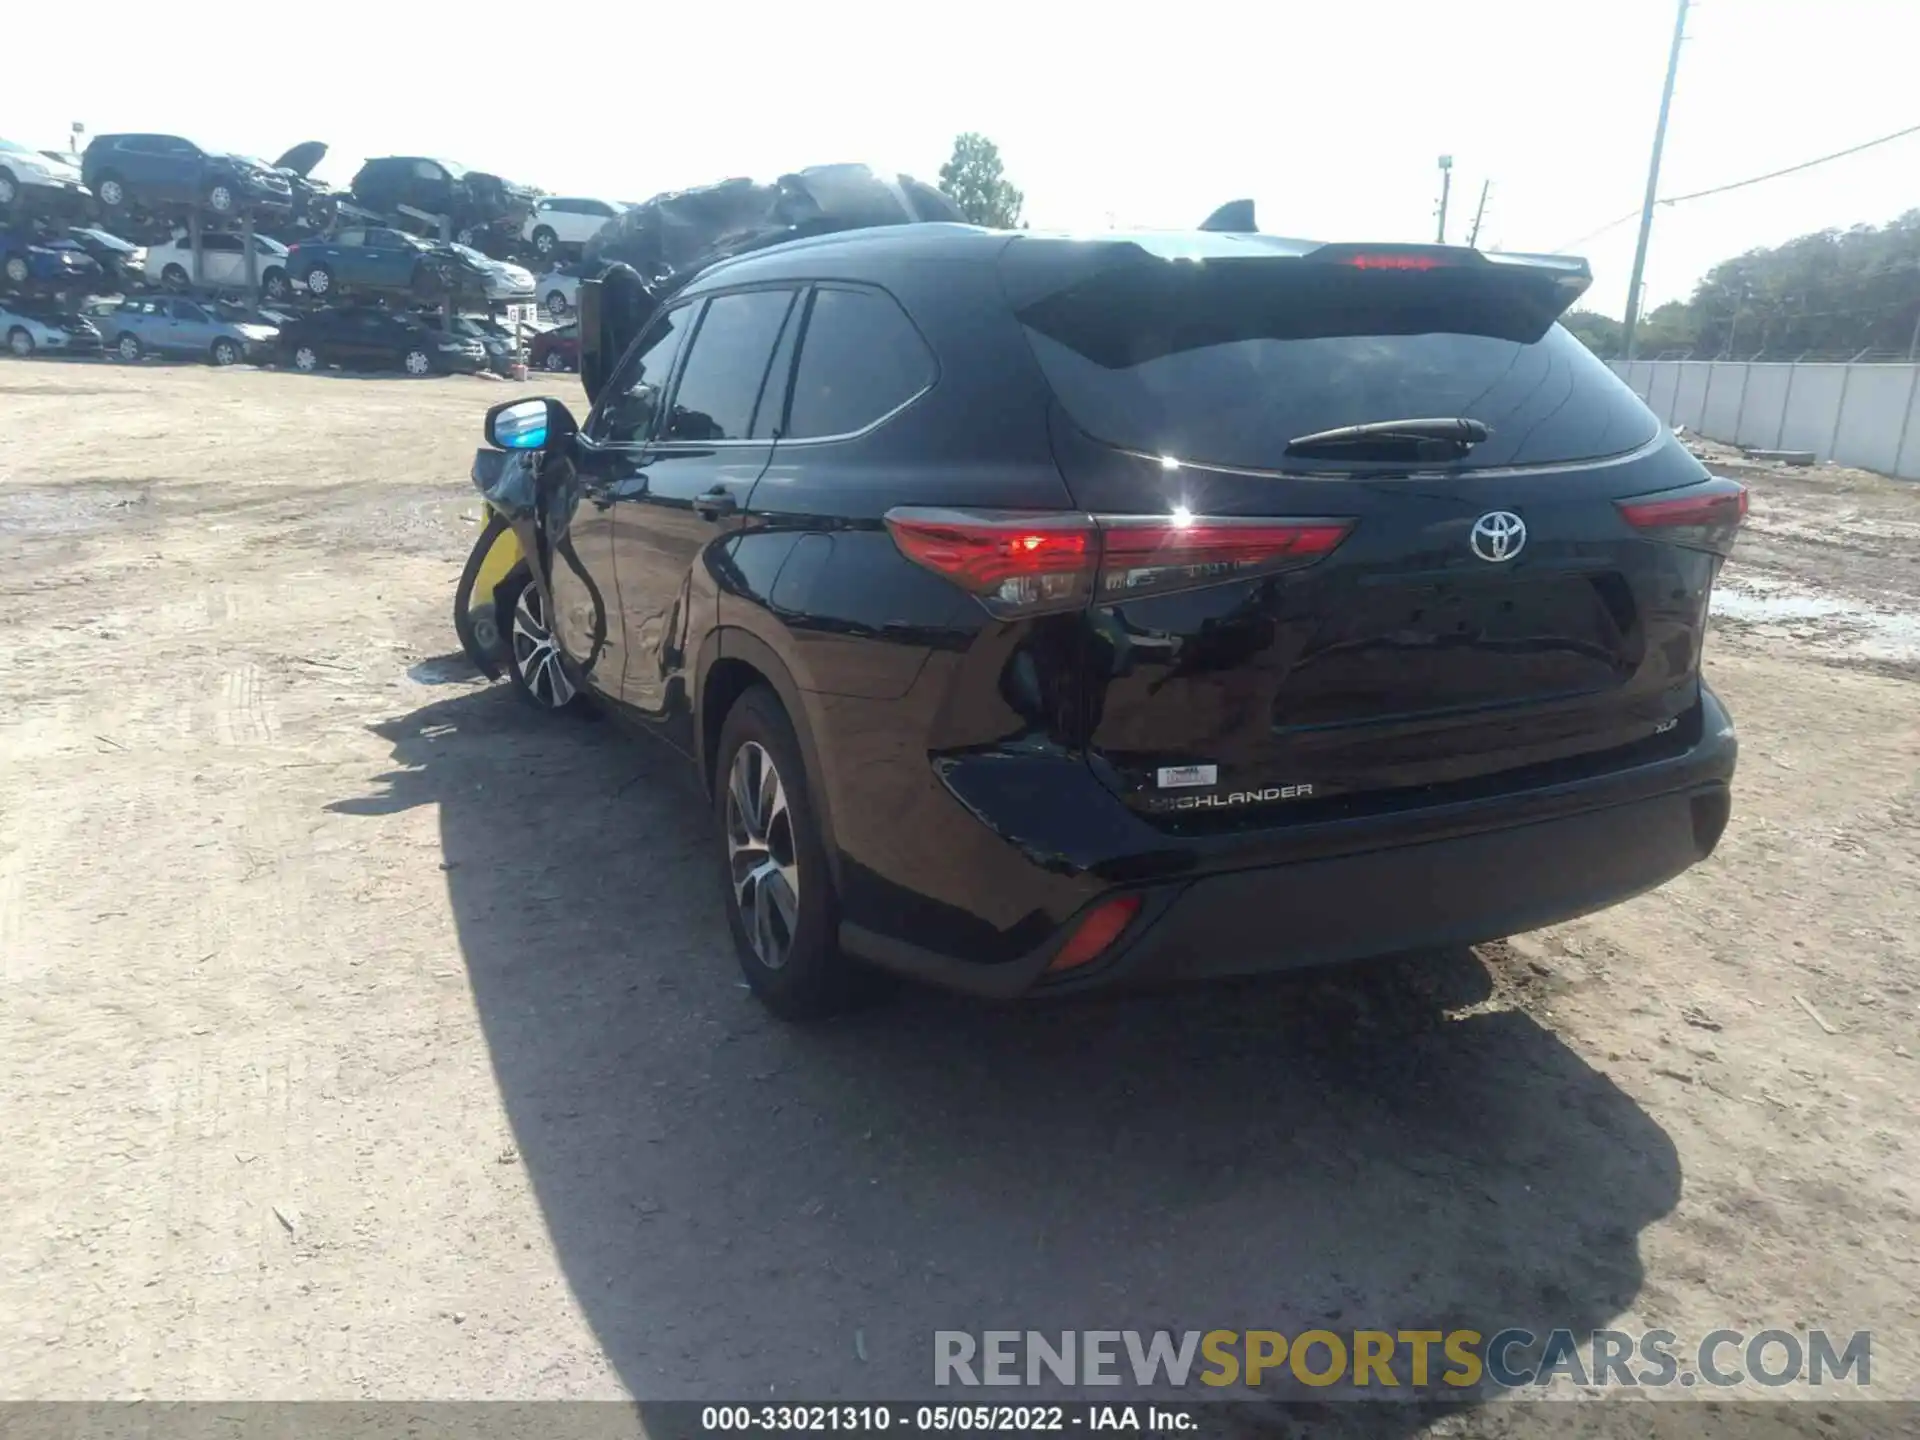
165	172
471	199
1045	612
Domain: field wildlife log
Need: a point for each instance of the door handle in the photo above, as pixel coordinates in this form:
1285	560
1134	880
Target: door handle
715	503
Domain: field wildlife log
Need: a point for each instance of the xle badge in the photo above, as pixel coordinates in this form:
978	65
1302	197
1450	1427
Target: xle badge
1174	777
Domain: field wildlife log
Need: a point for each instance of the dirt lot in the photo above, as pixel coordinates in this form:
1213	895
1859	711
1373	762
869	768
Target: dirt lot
364	1035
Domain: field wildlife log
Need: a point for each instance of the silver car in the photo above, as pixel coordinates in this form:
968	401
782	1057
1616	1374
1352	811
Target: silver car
56	333
505	281
183	329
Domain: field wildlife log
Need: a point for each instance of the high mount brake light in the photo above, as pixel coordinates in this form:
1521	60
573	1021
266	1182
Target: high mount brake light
1706	516
1396	262
1027	564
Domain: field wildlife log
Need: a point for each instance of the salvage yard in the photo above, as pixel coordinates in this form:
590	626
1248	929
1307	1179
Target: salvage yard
364	1034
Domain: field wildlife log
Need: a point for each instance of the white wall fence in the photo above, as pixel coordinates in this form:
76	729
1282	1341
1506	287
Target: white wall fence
1862	415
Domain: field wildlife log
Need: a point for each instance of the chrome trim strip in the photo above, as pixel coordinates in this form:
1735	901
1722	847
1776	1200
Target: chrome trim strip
1558	467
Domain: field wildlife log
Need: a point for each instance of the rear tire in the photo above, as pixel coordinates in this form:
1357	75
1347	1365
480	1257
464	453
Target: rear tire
111	192
417	363
555	361
175	277
128	347
782	908
545	242
18	270
9	189
319	281
274	284
557	306
220	199
20	343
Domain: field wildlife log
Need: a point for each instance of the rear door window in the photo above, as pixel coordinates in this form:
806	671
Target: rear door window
727	366
1224	364
861	359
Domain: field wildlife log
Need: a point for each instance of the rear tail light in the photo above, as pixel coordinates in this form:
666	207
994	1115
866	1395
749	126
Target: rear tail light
1024	563
1095	935
1706	516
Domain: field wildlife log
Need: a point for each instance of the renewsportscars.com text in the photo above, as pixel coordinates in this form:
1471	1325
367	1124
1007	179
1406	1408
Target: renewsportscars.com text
1402	1359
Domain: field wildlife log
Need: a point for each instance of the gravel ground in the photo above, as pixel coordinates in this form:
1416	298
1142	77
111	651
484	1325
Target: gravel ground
364	1035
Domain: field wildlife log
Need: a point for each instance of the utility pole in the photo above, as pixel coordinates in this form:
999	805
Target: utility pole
1653	178
1446	187
1473	235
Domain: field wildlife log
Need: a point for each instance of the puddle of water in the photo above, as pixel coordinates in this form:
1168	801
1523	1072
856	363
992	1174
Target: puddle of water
1873	634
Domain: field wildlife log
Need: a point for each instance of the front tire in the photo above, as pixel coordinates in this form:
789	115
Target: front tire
782	908
19	343
274	284
319	281
557	306
18	270
9	189
555	361
545	242
175	277
533	654
417	363
111	192
306	359
220	199
225	352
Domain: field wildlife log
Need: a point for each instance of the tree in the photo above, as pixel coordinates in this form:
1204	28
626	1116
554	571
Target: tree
976	182
1601	334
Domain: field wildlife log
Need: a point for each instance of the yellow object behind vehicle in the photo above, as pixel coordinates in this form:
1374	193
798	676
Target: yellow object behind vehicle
495	555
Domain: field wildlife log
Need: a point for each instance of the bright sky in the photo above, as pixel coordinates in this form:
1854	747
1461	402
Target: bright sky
1331	117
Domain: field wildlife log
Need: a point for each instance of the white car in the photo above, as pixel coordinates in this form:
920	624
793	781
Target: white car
35	173
225	263
559	292
565	221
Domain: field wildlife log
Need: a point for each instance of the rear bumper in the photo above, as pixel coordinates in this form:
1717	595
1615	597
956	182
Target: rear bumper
1323	894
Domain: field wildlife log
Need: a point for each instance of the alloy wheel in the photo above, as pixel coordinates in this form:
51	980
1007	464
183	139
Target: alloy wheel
129	348
557	305
111	194
225	352
555	360
319	281
220	199
761	859
17	270
534	653
418	363
20	342
306	358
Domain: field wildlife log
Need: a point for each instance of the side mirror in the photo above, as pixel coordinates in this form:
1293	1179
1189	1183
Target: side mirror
541	424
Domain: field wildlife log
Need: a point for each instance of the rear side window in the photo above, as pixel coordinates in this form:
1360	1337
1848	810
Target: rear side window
1225	365
724	370
860	360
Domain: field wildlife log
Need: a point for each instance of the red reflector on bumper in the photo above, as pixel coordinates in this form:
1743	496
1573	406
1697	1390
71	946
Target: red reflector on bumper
1097	932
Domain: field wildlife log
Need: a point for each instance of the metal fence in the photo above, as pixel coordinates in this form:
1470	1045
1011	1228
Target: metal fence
1855	414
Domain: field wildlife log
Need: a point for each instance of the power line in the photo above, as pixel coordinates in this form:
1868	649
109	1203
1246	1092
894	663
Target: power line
1739	185
1791	169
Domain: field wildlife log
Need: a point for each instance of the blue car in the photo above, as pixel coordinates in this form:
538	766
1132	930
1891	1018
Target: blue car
29	257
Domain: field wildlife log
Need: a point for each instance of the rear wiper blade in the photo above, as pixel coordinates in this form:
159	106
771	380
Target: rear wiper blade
1458	432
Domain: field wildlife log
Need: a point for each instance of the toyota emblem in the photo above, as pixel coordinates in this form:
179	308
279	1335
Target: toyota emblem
1498	535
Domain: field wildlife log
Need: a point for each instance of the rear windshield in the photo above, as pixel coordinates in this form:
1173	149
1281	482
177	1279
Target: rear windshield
1224	364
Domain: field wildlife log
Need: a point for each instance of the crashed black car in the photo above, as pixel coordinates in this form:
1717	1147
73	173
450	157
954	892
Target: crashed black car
652	249
315	203
473	200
